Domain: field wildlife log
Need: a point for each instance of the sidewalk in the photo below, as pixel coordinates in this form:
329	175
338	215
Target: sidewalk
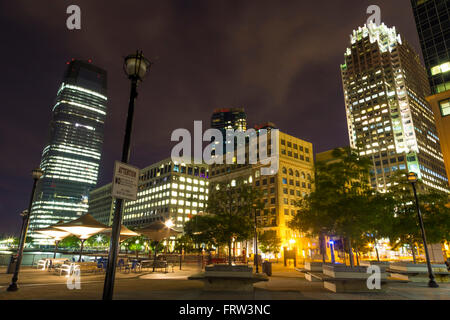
284	284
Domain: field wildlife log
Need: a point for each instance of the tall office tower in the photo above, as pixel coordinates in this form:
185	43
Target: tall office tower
229	118
388	118
72	156
433	25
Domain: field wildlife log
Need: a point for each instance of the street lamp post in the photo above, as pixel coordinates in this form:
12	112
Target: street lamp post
36	174
412	178
135	66
256	243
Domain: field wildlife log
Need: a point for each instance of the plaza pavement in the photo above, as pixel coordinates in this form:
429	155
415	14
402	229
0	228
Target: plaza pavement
284	284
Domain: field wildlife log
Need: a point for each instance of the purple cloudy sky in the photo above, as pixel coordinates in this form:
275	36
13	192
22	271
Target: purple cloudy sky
277	59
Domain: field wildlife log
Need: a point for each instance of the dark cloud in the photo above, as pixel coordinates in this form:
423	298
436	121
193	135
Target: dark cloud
278	59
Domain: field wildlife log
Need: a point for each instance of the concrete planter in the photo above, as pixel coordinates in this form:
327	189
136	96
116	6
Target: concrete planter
418	267
313	266
228	278
419	272
342	278
385	264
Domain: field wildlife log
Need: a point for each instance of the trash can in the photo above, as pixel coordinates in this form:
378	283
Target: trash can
12	264
267	267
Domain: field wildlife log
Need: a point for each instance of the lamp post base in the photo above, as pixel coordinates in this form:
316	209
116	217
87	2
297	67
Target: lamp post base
433	284
13	287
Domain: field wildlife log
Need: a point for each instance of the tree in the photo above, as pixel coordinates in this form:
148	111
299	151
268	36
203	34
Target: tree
135	244
230	206
70	242
339	205
433	207
98	240
185	243
269	242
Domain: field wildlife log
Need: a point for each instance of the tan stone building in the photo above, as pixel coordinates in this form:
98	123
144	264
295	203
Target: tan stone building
281	190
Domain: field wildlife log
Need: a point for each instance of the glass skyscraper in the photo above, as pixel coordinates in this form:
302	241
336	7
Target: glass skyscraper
71	158
433	25
231	119
388	117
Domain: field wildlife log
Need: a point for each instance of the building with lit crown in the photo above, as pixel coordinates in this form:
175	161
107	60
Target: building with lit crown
388	117
71	158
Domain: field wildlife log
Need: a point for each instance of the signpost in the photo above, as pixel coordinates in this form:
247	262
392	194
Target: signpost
125	181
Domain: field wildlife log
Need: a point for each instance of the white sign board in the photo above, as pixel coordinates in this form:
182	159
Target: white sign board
125	181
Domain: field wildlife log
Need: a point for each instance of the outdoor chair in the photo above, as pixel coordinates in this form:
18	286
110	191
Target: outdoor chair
65	268
134	265
42	263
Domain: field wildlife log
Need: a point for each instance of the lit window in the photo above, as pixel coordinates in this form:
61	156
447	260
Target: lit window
445	107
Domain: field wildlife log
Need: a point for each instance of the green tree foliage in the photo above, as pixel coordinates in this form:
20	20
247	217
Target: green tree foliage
98	240
405	222
340	204
70	242
135	244
230	206
269	242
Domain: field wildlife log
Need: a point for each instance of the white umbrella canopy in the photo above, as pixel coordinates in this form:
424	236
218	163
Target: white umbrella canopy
54	233
125	233
84	227
157	231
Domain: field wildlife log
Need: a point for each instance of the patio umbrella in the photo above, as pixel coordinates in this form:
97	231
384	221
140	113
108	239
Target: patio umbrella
83	228
158	231
54	233
125	233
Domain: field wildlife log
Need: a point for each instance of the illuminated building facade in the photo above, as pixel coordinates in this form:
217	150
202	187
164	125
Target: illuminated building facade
71	158
433	25
388	117
101	204
280	191
168	190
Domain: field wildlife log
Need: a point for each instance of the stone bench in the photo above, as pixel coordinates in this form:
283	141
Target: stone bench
418	272
228	278
312	271
340	278
368	263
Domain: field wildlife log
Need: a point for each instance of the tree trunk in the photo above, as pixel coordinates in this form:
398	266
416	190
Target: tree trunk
376	248
357	257
413	250
229	253
323	247
350	253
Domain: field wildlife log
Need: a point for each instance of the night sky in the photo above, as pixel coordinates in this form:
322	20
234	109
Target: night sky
277	59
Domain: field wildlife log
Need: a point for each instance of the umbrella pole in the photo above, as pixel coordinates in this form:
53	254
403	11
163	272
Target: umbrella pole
56	248
81	249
